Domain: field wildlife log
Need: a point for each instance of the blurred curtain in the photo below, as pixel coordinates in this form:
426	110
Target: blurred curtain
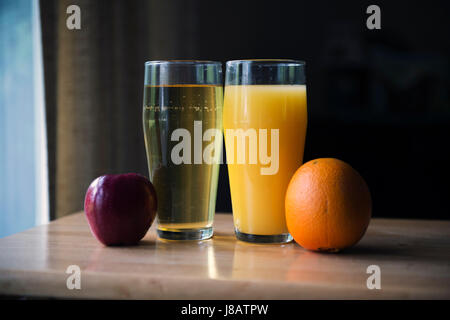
94	86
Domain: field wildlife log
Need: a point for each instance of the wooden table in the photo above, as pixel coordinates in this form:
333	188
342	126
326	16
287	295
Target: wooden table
413	257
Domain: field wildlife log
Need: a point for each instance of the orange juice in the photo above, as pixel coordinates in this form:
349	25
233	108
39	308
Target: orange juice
257	198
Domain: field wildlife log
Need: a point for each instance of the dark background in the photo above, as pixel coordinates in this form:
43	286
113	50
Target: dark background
377	99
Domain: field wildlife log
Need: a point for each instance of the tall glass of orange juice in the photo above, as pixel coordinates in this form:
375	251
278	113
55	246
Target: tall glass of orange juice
264	120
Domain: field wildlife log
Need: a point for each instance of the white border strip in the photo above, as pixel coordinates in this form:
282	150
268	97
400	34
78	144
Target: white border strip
40	136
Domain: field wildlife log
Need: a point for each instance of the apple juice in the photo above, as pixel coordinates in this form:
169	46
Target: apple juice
186	185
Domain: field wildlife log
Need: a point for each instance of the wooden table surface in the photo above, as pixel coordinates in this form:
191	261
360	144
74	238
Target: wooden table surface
413	256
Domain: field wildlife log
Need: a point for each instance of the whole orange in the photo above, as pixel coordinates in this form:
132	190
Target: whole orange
328	205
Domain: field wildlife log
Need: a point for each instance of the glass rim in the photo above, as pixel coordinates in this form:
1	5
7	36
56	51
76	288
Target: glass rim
183	62
267	62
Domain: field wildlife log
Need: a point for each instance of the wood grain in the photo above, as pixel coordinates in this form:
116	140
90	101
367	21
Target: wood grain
414	257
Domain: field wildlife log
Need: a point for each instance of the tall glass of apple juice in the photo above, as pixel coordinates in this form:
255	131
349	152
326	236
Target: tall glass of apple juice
182	118
264	121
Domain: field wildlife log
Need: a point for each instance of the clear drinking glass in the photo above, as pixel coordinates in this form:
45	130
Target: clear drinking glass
182	120
264	122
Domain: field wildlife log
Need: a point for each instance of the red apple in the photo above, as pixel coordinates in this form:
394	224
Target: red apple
120	208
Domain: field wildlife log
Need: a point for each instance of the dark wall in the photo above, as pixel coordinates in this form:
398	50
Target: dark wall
376	99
